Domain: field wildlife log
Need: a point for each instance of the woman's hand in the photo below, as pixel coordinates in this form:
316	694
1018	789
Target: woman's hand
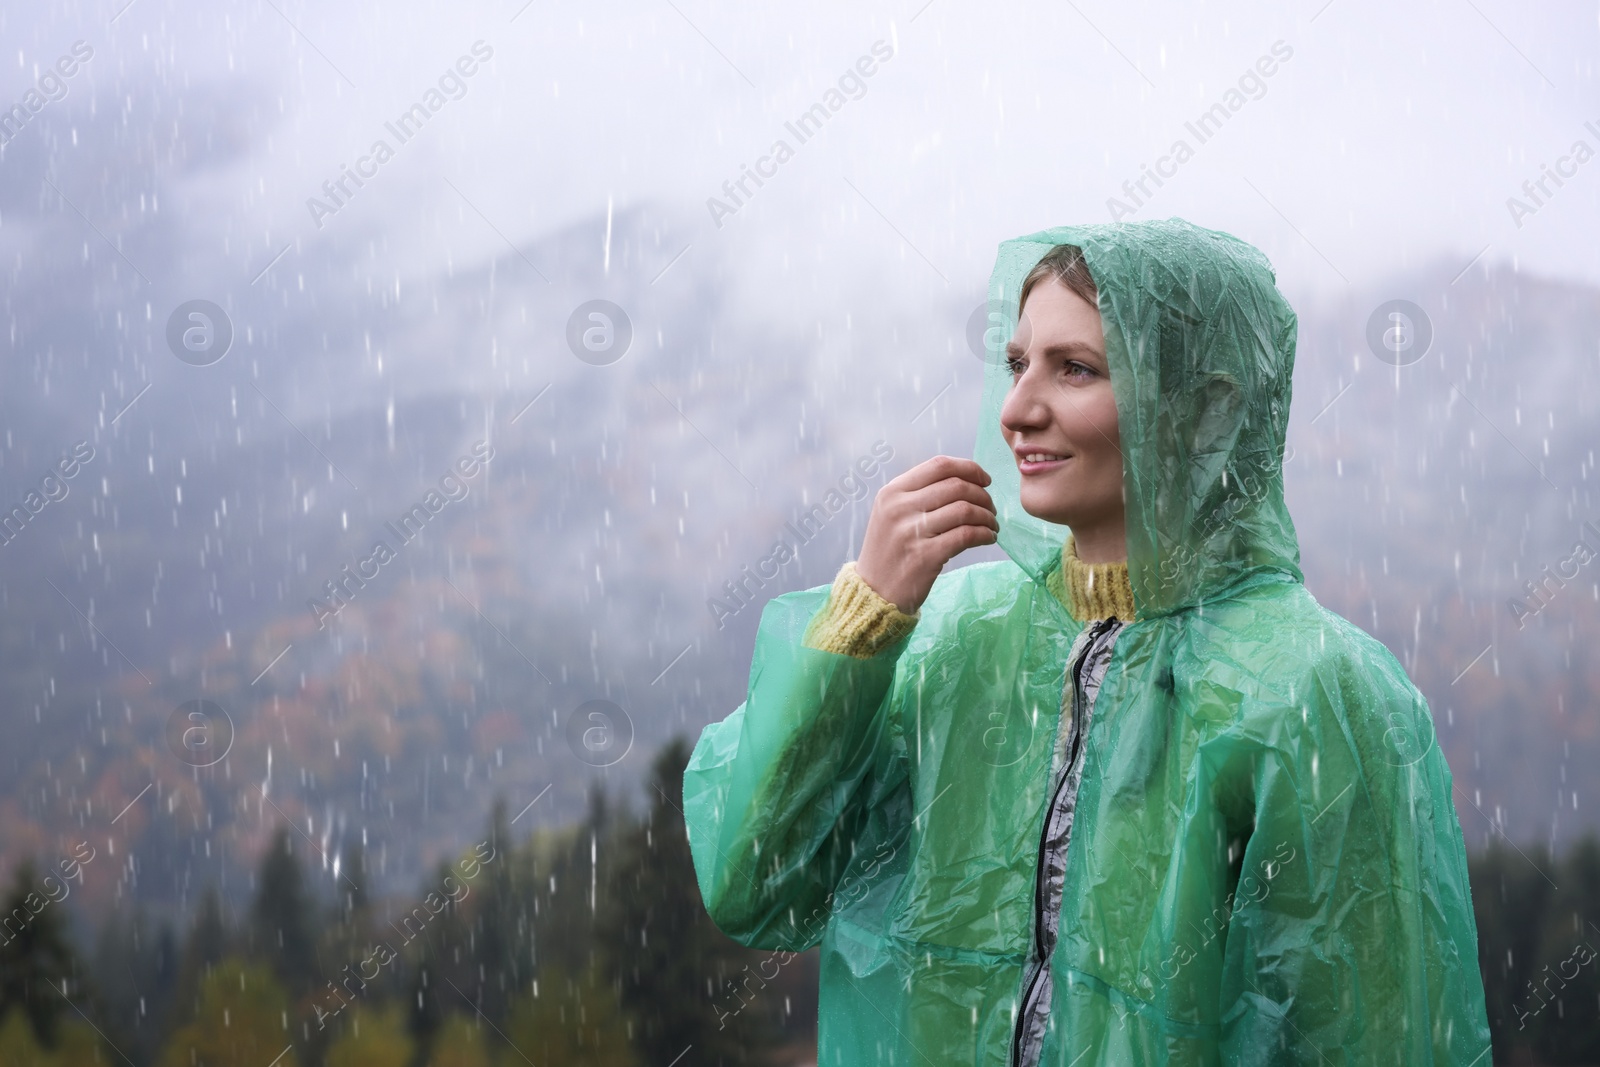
919	521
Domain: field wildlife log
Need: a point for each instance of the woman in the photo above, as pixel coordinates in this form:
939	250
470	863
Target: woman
1131	796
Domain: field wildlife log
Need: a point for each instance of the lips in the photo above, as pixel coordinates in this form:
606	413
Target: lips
1037	461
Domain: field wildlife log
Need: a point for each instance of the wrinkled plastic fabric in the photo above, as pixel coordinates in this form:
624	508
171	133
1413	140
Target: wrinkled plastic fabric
1266	865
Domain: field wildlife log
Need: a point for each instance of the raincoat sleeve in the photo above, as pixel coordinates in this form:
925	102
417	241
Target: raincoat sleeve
1352	938
780	796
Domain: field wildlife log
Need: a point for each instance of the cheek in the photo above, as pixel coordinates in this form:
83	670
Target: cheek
1105	416
1089	419
1096	432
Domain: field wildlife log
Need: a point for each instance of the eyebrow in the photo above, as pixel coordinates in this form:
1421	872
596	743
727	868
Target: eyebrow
1066	348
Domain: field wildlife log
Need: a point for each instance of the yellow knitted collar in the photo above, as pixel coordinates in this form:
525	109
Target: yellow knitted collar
1091	590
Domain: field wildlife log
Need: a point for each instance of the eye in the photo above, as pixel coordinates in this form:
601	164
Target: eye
1014	365
1078	370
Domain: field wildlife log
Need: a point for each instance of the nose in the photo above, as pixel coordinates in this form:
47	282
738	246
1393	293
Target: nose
1024	409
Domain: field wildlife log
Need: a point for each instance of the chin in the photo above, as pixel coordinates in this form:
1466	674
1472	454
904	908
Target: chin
1049	511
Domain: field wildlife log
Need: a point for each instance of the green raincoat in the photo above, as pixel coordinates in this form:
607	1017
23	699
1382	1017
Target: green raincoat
1266	865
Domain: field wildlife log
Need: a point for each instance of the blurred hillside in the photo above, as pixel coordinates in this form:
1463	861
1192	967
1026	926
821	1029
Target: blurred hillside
577	564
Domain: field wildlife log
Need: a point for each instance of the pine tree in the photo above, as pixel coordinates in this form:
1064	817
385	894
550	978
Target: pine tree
498	919
37	965
208	943
283	928
210	939
355	894
572	873
1568	979
439	968
507	931
351	940
1510	894
136	970
534	908
684	982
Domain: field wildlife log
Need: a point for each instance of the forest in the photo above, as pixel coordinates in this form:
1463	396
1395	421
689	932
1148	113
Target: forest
583	945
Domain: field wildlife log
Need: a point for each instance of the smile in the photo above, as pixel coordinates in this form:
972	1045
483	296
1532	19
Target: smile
1039	462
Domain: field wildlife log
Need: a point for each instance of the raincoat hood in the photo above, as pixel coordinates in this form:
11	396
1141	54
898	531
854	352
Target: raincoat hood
1200	346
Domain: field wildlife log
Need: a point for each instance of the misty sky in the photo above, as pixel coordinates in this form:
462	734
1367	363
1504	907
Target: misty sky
1392	134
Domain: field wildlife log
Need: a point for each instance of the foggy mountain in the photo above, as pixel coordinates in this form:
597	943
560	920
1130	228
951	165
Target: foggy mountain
623	494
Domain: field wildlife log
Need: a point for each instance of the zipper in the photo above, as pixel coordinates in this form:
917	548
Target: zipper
1099	628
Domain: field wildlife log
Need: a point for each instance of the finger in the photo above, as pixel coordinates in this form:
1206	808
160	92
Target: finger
938	469
953	542
948	491
934	524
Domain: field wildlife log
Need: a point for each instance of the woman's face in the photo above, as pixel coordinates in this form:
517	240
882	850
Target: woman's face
1061	405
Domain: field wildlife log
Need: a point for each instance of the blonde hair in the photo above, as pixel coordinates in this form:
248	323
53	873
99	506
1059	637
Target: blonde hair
1065	264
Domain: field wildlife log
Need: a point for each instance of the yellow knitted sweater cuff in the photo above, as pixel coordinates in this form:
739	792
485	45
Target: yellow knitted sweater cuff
856	621
1091	590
